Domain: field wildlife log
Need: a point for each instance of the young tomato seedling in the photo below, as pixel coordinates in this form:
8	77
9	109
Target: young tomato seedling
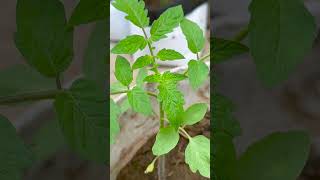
170	98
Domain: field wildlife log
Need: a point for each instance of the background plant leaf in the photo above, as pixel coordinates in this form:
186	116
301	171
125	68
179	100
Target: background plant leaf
278	156
23	79
224	156
47	141
222	117
96	55
42	37
277	41
225	49
83	118
88	11
14	156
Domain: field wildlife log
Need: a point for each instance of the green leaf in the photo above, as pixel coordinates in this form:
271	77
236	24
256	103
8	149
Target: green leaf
125	105
197	155
83	118
135	10
278	156
166	139
281	33
115	111
142	61
171	98
123	71
14	156
96	55
222	117
42	37
140	101
198	73
88	11
153	78
169	54
172	102
193	34
117	86
225	49
194	113
23	79
165	24
172	77
143	73
224	156
130	45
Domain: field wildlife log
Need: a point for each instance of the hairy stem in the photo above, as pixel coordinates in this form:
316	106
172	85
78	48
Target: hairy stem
31	96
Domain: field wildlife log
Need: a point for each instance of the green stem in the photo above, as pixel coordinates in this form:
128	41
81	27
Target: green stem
150	49
126	91
119	92
161	162
242	34
161	116
152	94
185	132
32	96
182	134
204	57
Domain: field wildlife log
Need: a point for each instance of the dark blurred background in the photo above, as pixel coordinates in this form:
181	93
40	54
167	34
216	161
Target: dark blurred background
295	104
36	122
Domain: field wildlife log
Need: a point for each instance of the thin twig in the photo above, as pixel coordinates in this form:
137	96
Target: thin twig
30	96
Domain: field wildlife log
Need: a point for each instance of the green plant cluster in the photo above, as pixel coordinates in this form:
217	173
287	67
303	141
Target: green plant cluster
44	38
168	95
280	33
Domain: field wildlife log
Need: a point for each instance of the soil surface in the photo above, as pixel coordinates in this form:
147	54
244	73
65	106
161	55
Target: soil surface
175	164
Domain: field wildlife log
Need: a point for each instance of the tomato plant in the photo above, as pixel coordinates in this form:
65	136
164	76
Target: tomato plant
168	95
